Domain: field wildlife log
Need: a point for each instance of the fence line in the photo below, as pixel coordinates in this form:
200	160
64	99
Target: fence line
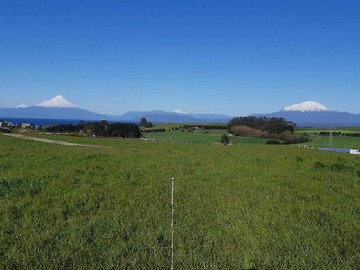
172	221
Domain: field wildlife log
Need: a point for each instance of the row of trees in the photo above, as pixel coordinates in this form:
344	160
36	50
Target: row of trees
102	128
68	128
154	130
273	125
123	130
327	133
205	126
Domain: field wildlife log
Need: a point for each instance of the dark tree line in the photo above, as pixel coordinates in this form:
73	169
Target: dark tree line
102	128
326	133
154	130
293	141
65	128
205	126
273	125
351	134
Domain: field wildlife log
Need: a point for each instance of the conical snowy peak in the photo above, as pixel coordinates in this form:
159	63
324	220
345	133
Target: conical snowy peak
57	102
23	105
307	106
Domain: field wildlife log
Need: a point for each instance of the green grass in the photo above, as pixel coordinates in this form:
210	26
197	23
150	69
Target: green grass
214	136
335	129
209	137
299	131
236	207
338	141
185	136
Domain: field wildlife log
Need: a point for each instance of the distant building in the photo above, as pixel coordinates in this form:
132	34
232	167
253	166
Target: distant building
25	125
5	124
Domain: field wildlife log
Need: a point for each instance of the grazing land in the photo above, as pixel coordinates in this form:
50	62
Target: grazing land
211	136
244	206
318	140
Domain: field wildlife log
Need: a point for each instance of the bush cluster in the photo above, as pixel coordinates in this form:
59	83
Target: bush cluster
246	131
273	125
154	130
327	133
205	126
338	167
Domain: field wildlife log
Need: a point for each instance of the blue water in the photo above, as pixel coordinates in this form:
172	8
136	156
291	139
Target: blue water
333	149
48	122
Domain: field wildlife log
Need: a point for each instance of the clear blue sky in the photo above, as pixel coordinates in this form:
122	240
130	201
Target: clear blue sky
231	57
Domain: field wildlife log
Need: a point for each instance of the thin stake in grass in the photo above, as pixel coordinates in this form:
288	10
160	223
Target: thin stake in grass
172	221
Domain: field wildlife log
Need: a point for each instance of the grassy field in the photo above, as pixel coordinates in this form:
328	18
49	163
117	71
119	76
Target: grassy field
338	129
338	141
212	136
236	207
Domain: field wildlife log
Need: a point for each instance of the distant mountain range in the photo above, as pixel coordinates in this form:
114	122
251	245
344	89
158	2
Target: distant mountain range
313	114
308	113
55	108
60	108
174	117
52	113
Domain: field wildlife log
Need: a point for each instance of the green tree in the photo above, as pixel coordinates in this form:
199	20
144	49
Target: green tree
101	128
143	122
224	139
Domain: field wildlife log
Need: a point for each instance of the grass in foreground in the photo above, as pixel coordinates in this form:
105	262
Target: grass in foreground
237	207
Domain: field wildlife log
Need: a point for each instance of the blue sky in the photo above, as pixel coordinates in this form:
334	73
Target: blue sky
231	57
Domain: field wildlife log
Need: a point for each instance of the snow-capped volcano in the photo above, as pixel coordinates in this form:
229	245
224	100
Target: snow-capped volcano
55	108
313	114
57	102
23	105
307	106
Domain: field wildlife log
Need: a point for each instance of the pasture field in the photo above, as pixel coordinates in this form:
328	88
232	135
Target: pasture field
338	141
211	136
337	129
236	207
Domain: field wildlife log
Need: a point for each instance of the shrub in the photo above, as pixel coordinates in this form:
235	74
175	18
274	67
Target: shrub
246	131
273	142
224	139
339	167
319	165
